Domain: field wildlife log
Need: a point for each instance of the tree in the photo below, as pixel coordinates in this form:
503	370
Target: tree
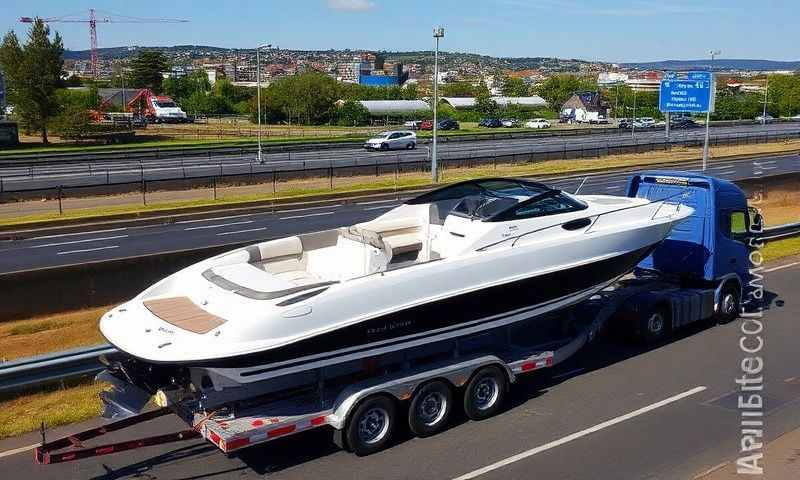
33	72
557	89
147	68
486	105
306	98
352	113
515	87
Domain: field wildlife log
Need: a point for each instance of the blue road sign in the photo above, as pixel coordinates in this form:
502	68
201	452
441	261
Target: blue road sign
692	92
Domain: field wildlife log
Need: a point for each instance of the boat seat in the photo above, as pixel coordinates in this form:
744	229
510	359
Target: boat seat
403	243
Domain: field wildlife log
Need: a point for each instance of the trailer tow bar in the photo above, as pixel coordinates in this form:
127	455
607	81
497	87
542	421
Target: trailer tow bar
46	453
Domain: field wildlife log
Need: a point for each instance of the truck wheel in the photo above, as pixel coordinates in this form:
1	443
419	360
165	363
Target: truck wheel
485	393
729	304
430	409
370	427
652	326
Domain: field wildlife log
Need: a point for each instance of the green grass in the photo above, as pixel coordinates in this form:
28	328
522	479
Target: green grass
780	249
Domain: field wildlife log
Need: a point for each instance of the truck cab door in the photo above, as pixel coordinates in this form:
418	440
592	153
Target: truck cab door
733	252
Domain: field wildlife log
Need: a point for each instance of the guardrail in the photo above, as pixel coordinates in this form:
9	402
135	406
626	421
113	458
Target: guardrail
40	370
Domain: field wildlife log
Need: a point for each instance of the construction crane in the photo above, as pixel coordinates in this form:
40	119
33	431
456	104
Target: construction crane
93	20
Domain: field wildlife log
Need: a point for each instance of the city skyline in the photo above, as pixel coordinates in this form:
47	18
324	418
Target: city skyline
504	28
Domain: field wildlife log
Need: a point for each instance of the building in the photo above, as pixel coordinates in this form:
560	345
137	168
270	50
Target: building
584	107
395	108
645	81
349	72
532	102
609	79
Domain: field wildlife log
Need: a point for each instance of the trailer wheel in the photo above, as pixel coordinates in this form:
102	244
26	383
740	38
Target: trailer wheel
729	303
430	409
371	425
485	393
653	325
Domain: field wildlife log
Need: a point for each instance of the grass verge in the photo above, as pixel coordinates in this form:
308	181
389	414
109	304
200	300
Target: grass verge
40	335
781	249
299	189
55	407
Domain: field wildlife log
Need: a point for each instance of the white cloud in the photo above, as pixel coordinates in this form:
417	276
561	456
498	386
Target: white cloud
351	5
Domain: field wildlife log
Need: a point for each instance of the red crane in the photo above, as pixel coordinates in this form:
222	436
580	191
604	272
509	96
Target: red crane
93	20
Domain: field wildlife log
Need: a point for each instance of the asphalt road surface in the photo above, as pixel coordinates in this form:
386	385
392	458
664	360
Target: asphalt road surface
614	411
111	243
206	165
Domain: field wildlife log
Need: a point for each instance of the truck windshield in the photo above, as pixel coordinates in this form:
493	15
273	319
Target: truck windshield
165	104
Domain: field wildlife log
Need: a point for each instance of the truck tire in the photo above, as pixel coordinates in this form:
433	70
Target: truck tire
652	326
370	427
430	408
485	393
729	303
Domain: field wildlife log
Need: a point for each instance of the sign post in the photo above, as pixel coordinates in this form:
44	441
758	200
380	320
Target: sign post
693	92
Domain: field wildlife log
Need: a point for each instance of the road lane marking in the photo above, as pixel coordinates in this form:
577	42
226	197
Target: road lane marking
215	218
580	434
614	187
79	233
218	225
781	267
309	215
99	239
310	208
242	231
69	252
383	207
15	451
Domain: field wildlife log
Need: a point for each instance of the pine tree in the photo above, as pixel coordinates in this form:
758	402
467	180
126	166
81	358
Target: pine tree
33	74
147	68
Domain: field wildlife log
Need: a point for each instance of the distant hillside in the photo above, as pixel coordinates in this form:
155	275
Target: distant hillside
719	64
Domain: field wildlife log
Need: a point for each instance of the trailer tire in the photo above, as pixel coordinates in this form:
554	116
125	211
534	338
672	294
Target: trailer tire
370	427
729	303
485	393
430	408
653	326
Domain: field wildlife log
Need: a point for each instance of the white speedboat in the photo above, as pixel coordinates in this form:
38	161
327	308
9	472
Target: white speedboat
464	258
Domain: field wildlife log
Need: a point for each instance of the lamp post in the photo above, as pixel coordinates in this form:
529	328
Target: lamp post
437	34
713	54
258	93
766	89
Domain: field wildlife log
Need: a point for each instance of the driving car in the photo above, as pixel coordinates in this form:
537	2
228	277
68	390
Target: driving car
537	123
762	119
448	124
490	123
392	140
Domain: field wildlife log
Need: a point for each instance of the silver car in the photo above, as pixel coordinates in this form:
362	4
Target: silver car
392	140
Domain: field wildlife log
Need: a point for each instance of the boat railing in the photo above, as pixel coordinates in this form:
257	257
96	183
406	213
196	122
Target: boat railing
594	219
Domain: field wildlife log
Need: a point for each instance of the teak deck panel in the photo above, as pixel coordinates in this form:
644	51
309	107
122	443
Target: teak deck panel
183	313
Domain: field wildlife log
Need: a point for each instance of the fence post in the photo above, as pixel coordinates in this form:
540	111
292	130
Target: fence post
144	192
108	177
330	172
214	186
60	196
274	180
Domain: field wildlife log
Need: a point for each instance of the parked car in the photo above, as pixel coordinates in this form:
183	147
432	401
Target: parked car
412	124
490	123
624	123
448	124
426	125
599	120
537	123
762	119
645	122
683	123
392	140
510	122
795	118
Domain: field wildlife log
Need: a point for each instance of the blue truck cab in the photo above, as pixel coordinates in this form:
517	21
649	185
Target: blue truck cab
708	252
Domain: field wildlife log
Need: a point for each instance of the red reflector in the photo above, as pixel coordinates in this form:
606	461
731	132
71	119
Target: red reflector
68	456
276	432
317	421
528	366
103	450
238	443
257	423
214	437
549	361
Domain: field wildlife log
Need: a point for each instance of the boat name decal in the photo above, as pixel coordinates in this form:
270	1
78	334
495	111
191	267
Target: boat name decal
388	327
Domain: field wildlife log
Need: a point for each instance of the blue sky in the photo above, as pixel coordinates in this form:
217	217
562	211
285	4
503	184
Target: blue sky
610	30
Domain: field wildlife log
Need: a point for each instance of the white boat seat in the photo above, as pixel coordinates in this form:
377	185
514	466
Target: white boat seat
403	243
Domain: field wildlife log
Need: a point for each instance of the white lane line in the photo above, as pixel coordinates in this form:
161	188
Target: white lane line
762	167
79	233
376	201
617	187
98	239
309	215
310	208
15	451
382	207
214	219
719	167
69	252
577	435
242	231
781	267
567	374
218	225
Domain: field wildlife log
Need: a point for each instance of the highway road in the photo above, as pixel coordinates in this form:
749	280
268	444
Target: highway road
110	243
614	411
205	165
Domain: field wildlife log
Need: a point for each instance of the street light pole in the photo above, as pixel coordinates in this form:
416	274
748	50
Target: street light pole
633	120
258	94
437	34
713	54
766	89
